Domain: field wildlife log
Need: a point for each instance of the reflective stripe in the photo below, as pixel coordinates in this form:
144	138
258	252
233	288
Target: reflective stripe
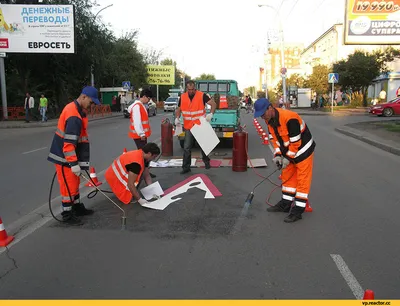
193	113
71	153
123	182
305	148
300	204
278	143
93	175
286	197
84	164
295	138
144	130
192	118
302	195
277	150
2	227
289	189
68	208
145	122
84	138
60	132
124	172
66	199
71	137
286	144
291	154
57	158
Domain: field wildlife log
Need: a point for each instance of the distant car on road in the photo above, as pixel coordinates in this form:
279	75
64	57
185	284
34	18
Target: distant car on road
171	104
387	109
151	109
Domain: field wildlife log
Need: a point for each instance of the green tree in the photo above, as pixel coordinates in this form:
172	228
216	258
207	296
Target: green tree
318	80
361	68
205	76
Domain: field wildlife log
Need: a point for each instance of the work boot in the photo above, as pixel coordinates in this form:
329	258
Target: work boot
207	165
70	218
281	206
186	170
80	210
292	218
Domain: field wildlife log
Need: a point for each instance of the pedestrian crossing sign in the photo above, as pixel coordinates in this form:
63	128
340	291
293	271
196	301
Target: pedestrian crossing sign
333	78
126	85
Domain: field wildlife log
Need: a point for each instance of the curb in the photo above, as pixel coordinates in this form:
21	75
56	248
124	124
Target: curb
366	139
43	125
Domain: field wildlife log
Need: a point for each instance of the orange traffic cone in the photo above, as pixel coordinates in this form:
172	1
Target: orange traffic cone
266	142
125	151
93	177
308	207
369	295
4	238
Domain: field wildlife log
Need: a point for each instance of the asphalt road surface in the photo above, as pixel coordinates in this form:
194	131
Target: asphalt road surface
205	249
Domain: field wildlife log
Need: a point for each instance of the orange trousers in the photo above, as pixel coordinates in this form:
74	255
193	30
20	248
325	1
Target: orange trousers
296	183
70	183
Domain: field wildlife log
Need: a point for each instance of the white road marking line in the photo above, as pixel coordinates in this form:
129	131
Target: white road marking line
348	276
35	150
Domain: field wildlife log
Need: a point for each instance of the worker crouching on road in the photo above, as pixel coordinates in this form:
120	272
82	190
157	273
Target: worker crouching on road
126	171
294	152
192	105
70	152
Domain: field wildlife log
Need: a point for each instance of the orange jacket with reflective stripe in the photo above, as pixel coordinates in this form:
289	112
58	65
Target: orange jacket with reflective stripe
291	136
193	110
145	122
70	144
117	175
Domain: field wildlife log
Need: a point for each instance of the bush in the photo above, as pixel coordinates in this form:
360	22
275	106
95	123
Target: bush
356	99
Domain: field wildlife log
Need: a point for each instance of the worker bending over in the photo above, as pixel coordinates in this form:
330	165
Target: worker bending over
126	171
70	152
192	105
294	152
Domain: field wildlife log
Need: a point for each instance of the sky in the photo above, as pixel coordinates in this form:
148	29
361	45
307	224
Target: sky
226	38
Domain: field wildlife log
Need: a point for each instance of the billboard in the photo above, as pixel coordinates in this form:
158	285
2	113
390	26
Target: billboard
37	28
372	22
161	75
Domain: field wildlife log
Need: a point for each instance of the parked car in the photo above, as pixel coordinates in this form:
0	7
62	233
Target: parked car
151	108
387	109
171	104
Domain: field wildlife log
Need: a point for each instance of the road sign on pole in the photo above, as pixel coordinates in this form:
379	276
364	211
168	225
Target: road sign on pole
333	78
126	85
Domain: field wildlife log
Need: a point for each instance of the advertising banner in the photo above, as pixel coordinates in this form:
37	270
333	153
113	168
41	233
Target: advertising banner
372	22
161	75
36	28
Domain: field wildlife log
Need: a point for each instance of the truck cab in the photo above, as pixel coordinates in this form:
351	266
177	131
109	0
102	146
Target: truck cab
226	119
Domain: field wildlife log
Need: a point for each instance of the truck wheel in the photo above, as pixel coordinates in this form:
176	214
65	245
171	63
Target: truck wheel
182	143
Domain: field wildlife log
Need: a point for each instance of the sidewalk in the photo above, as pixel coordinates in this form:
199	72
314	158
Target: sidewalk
336	113
17	124
384	144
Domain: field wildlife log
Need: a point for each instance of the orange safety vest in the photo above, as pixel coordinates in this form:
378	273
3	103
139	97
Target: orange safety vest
117	175
70	144
291	136
145	122
193	110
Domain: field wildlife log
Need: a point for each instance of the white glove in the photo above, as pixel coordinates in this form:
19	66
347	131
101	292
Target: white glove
209	117
142	201
285	162
177	122
76	170
277	160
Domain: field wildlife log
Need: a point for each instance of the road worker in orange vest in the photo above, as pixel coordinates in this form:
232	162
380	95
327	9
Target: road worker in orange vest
70	152
192	106
294	153
125	173
139	128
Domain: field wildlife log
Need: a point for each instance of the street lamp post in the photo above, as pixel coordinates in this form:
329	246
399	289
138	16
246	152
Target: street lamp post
92	66
282	50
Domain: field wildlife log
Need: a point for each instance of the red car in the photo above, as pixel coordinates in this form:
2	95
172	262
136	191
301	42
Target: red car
387	109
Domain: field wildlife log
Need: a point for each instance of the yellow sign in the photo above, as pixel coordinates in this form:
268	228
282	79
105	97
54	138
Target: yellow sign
161	75
372	22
